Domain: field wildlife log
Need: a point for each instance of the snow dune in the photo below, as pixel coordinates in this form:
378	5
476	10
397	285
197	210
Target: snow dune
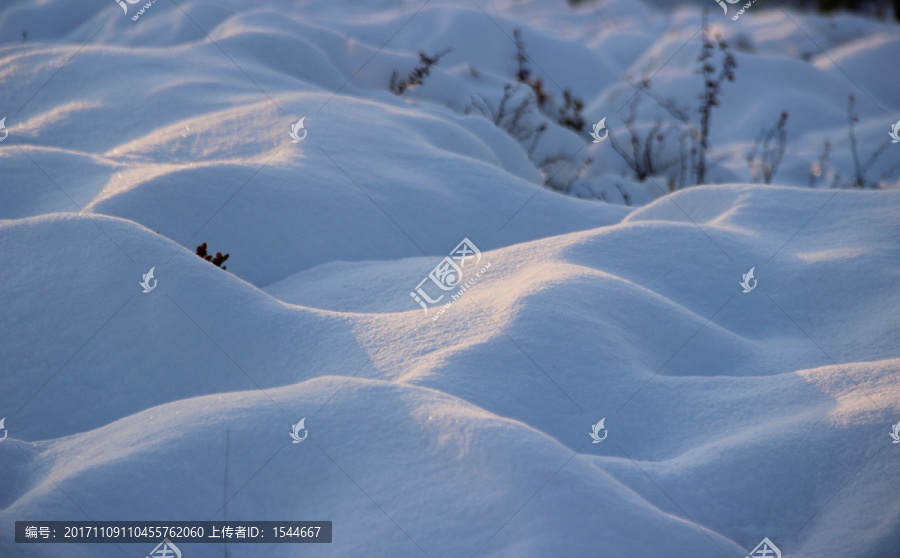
731	416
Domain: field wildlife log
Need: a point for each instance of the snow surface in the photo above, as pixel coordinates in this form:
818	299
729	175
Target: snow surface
731	416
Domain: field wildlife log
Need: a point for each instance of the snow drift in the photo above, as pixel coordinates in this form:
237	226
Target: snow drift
731	416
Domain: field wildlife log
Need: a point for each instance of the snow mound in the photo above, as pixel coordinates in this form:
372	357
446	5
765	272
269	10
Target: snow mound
464	429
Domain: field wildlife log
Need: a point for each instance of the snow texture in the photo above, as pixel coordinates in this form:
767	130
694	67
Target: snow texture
731	416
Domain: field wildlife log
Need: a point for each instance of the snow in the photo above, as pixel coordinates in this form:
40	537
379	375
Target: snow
730	416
